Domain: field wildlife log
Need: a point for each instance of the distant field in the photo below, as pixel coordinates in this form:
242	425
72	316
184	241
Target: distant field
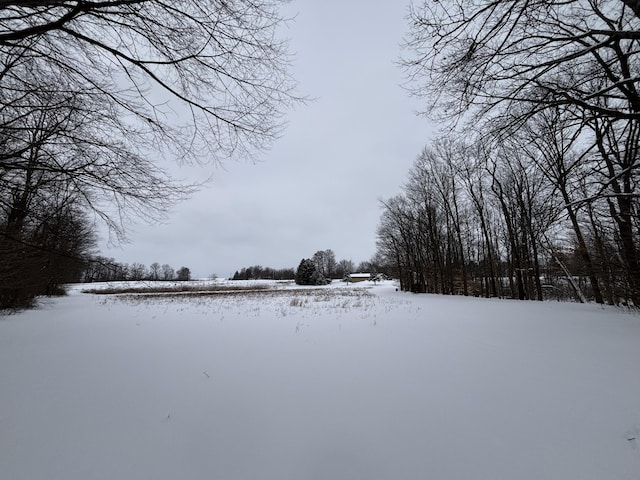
172	290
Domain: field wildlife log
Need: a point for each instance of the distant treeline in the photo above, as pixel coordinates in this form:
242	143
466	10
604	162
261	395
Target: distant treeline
102	269
258	272
325	264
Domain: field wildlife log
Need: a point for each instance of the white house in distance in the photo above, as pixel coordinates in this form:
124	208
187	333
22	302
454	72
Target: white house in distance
358	277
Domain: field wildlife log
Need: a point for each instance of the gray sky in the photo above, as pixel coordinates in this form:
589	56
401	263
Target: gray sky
319	186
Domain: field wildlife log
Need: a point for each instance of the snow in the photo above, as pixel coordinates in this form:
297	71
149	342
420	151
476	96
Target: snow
345	382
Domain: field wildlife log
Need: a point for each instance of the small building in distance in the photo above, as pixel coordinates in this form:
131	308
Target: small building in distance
357	277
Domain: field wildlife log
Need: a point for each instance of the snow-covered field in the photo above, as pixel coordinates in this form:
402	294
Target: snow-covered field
339	383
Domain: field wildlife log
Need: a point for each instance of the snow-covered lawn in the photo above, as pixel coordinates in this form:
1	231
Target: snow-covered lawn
342	383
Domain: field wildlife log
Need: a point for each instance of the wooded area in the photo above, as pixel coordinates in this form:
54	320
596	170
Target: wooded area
533	190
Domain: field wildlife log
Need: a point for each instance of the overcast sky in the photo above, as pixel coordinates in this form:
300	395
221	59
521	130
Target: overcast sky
319	186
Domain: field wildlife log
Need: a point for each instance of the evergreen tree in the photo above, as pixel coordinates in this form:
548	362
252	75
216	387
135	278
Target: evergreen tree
183	274
308	274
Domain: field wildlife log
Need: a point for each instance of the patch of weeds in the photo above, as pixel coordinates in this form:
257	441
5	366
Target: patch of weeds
214	294
297	302
162	289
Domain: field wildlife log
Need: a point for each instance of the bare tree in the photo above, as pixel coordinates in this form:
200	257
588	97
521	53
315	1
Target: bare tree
154	271
489	55
403	242
526	202
56	156
51	250
618	144
94	94
553	142
124	83
196	79
472	174
345	267
168	273
325	261
137	271
436	170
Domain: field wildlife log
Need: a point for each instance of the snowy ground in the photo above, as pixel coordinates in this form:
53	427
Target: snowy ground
342	383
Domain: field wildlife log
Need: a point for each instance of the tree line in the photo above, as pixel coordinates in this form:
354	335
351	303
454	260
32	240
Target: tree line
475	221
322	265
534	187
322	268
102	269
257	272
